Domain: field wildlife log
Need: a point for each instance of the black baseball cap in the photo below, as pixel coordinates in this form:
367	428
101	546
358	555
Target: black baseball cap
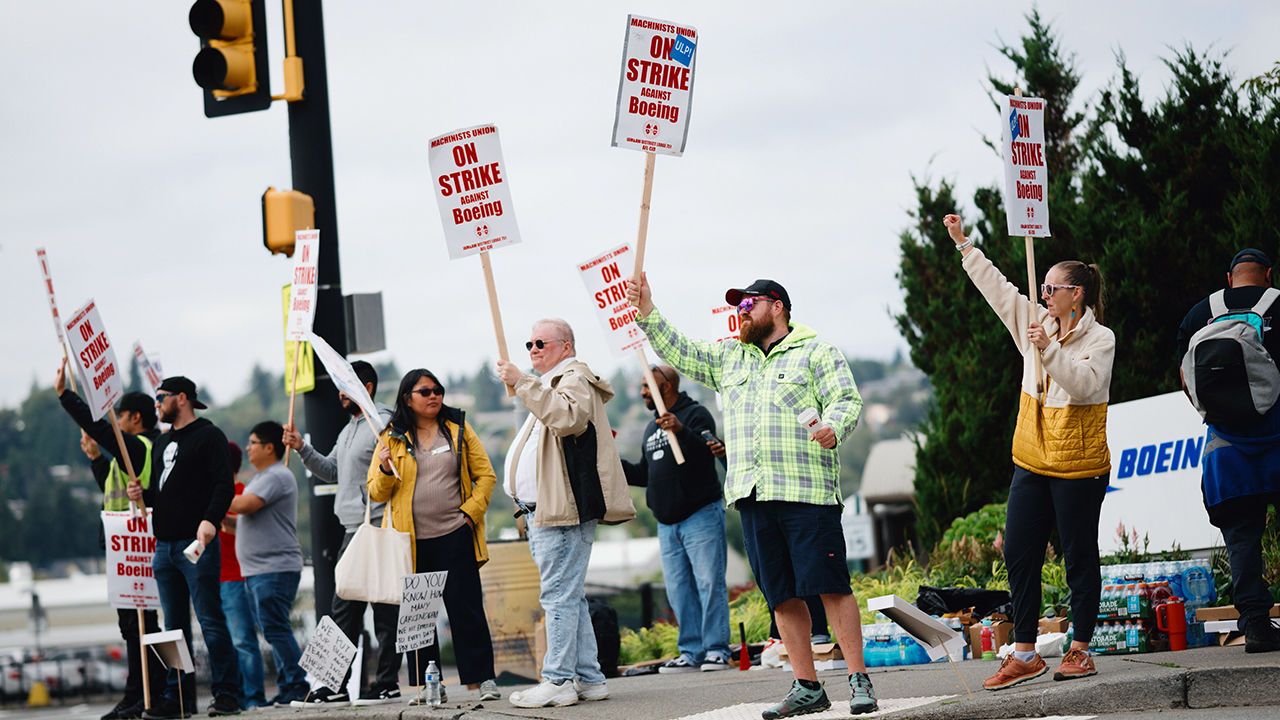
1250	255
759	288
180	384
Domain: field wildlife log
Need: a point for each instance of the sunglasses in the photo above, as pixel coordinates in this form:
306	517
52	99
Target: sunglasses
428	392
750	302
540	344
1049	288
160	396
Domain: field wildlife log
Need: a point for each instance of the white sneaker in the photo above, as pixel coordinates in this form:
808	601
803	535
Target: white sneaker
591	691
714	663
546	693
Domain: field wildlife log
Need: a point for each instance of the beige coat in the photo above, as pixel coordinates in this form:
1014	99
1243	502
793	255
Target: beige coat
575	396
1062	416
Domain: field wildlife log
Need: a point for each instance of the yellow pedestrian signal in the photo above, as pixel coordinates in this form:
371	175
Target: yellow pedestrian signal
284	213
231	66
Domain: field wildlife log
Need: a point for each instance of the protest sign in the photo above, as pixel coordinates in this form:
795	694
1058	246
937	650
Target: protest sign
724	323
305	377
605	277
95	359
655	91
419	609
345	379
302	295
1026	174
43	257
151	371
474	198
472	191
131	547
1026	193
328	654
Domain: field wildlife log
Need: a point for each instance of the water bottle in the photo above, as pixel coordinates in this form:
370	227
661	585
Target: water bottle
433	684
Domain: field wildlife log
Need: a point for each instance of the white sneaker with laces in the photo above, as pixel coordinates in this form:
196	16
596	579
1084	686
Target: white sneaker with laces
591	691
545	694
681	664
714	662
489	690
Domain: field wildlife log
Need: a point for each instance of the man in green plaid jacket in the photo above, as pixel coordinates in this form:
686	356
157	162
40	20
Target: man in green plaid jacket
783	477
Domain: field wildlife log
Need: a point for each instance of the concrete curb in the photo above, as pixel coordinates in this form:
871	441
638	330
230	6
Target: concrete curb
1167	689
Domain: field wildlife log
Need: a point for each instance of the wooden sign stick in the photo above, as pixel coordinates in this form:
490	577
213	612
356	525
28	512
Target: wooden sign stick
1031	295
496	313
139	510
652	382
293	391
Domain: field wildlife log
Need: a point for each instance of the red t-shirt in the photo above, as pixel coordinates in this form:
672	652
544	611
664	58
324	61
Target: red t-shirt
230	565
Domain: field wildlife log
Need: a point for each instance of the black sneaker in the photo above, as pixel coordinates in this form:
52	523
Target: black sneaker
224	705
1261	636
131	712
379	696
163	708
125	703
325	696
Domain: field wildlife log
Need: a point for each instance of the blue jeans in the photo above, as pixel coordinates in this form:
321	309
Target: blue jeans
561	554
183	585
242	621
273	595
693	565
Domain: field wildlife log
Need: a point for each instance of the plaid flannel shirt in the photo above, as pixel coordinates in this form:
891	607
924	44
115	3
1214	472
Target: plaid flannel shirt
768	450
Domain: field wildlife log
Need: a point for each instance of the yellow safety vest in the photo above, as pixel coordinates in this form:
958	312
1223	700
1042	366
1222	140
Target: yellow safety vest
114	497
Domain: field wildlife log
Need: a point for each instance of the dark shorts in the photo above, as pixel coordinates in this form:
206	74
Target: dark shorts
795	549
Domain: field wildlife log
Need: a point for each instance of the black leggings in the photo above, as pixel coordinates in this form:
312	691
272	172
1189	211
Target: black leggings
472	644
1036	505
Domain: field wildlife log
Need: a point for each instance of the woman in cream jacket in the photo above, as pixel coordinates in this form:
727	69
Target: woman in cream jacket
1060	457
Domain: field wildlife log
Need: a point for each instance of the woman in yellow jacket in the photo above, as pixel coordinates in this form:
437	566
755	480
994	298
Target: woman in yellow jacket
1060	456
438	492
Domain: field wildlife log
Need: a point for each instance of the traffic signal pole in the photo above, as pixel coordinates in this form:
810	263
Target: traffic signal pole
311	157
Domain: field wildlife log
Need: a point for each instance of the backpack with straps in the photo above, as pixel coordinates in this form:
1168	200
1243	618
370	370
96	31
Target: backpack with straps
1230	376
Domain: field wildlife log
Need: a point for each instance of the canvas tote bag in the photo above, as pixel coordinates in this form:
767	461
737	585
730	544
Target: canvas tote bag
375	560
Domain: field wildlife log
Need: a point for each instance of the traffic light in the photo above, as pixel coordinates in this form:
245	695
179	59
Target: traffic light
284	213
232	63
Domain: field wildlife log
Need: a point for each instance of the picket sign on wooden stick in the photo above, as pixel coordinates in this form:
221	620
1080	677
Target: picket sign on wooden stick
1031	293
139	509
495	312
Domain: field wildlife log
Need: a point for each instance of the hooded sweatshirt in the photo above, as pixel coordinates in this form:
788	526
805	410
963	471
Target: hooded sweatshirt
674	492
190	480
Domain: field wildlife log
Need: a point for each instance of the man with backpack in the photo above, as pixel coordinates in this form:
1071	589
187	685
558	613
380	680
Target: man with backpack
1228	346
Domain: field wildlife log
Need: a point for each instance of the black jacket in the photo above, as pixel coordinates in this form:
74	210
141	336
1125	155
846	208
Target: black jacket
191	480
674	492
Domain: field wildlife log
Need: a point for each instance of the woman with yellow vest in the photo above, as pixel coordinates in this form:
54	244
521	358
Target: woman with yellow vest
438	493
1060	457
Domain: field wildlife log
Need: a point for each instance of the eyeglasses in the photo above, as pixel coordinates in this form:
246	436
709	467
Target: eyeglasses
253	441
428	392
1048	288
540	344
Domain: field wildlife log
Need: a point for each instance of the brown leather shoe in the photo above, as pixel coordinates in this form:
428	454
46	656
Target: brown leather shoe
1076	664
1013	671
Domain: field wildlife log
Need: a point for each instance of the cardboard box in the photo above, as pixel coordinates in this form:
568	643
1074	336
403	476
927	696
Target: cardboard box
1001	634
937	638
1053	625
1227	612
821	651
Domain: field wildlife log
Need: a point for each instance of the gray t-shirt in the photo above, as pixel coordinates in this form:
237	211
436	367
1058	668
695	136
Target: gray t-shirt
267	541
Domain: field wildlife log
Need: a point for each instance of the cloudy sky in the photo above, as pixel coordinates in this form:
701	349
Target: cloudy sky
808	121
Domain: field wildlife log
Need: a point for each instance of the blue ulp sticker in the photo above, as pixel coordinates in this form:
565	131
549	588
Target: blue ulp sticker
682	50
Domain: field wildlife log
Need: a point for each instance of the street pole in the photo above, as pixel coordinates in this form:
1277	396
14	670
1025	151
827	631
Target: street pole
311	156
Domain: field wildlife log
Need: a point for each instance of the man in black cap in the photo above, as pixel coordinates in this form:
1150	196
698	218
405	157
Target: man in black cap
1241	464
190	491
789	399
136	415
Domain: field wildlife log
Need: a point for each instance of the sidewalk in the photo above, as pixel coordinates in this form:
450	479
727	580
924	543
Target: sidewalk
1202	678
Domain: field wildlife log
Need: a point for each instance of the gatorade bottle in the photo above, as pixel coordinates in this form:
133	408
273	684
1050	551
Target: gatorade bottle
1131	636
1121	639
988	639
1130	600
